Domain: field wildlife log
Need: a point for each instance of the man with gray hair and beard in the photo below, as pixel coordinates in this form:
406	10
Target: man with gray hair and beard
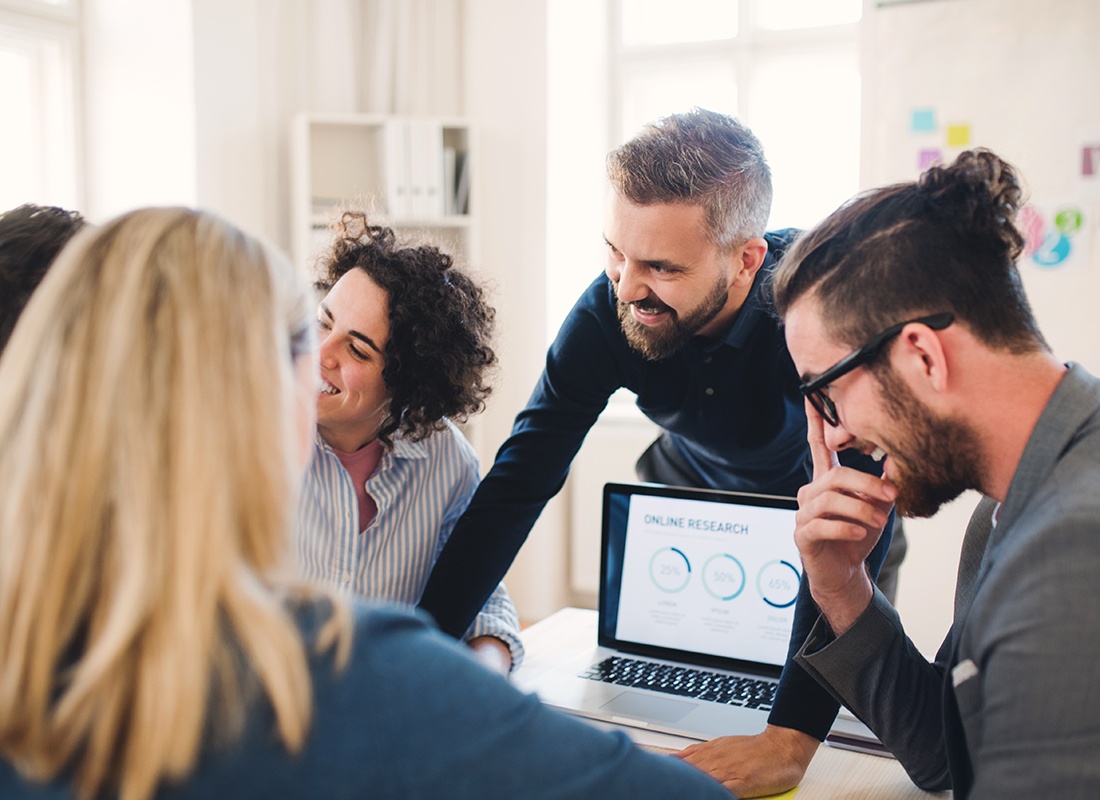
681	317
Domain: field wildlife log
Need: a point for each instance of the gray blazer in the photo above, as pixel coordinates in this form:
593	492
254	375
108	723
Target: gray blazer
1011	705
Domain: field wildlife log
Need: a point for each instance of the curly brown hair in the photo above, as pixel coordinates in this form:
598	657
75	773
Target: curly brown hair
439	353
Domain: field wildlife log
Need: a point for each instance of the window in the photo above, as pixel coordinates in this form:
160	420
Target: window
38	84
786	68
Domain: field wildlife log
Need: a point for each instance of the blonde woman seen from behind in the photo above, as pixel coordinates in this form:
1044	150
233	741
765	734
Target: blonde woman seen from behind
156	413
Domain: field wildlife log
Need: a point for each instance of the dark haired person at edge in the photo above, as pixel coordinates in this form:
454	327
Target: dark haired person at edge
681	318
404	349
906	316
31	236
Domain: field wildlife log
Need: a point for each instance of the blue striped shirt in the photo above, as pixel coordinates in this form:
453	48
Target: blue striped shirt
421	489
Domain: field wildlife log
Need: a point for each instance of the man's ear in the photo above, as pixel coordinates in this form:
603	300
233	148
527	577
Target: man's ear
747	260
921	355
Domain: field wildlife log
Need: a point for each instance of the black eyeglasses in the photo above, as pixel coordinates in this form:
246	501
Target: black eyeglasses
815	390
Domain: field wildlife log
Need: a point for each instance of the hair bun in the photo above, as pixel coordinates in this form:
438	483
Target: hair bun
979	193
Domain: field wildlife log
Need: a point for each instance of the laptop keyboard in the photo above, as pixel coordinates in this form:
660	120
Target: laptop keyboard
685	681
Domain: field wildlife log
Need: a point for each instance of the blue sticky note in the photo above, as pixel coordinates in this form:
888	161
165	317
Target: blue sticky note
924	120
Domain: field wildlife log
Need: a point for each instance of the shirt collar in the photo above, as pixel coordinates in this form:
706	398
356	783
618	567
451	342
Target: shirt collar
754	307
402	448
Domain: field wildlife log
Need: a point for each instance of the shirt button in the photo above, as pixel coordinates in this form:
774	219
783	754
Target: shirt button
708	359
347	577
710	392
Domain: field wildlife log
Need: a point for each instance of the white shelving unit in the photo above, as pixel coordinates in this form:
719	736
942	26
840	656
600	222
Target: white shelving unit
413	174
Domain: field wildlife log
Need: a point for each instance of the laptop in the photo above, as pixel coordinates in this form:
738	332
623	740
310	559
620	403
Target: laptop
696	605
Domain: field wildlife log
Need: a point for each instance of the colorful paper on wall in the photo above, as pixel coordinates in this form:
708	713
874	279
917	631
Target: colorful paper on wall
923	120
958	135
929	157
1090	160
1050	239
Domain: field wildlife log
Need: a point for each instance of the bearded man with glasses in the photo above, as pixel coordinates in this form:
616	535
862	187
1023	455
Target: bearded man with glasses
955	386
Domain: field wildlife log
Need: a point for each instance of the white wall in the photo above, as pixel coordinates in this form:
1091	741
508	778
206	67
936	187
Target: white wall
239	162
506	97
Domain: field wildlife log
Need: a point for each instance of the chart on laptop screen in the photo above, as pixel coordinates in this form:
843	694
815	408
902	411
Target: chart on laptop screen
709	577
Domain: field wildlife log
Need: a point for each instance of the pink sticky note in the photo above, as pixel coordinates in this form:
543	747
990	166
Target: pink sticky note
929	157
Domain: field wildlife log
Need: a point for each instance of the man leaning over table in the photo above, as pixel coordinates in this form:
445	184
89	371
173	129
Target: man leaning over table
681	318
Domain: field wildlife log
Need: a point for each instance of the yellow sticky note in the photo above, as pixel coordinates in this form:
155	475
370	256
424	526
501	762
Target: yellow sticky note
784	796
958	135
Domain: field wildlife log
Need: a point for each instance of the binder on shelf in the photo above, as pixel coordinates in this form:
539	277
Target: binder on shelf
462	184
426	160
396	169
434	193
449	177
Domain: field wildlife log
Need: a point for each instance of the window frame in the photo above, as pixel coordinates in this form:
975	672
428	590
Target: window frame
39	23
67	11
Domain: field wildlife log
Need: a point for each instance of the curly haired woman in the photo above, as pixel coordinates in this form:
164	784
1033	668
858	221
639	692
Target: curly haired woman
404	350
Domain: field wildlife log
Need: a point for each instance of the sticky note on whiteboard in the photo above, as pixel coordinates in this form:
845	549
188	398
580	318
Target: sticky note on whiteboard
958	135
923	120
929	157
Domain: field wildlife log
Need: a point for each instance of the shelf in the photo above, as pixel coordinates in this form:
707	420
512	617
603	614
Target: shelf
408	173
321	219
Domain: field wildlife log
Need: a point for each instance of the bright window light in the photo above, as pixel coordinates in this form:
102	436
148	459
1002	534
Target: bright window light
647	22
783	15
805	110
655	90
38	137
17	132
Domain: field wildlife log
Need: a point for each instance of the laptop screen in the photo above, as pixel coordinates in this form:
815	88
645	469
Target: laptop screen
699	576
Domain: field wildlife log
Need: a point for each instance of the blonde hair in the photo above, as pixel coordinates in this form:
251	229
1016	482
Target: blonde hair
147	481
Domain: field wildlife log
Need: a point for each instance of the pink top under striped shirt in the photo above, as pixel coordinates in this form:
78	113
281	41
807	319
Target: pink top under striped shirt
360	466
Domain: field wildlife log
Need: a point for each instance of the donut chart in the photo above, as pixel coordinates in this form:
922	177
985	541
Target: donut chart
670	570
723	576
777	583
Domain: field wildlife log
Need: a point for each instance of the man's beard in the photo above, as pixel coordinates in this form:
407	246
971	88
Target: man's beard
939	457
659	342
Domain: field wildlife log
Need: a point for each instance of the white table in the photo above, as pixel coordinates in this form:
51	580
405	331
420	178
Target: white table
833	774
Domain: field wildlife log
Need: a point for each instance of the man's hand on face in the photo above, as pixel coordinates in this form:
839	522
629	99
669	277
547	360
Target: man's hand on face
841	514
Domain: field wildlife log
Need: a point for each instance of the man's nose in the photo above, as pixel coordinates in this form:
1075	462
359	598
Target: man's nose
838	437
631	285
